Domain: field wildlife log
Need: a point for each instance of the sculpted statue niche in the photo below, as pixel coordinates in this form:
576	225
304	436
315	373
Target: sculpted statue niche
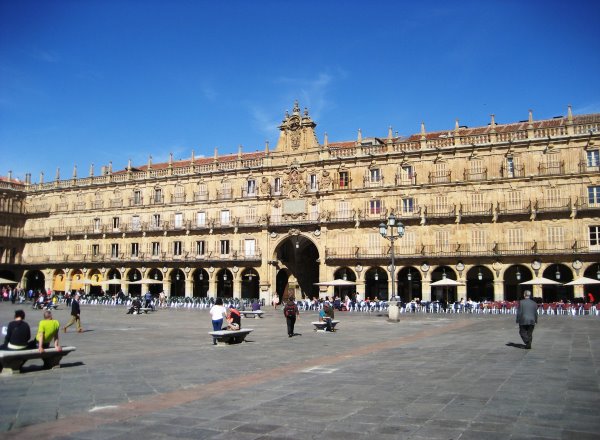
265	186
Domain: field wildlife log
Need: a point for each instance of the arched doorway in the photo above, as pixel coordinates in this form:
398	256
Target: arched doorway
224	284
346	274
77	281
134	276
94	280
376	284
409	284
480	284
297	259
513	277
250	284
35	281
59	282
562	274
177	283
200	283
592	272
443	294
112	284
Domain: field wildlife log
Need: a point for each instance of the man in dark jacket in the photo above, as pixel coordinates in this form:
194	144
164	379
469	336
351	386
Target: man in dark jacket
75	315
527	318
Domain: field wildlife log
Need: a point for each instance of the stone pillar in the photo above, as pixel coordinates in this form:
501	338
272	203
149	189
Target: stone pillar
498	290
536	291
212	285
237	287
189	287
461	291
393	311
578	291
426	290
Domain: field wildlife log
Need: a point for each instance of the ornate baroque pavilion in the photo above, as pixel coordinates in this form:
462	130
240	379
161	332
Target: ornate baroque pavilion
489	206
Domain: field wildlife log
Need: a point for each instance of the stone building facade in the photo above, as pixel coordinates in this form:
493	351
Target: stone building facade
490	207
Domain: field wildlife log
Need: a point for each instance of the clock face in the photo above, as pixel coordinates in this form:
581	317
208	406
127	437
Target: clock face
536	264
577	264
425	267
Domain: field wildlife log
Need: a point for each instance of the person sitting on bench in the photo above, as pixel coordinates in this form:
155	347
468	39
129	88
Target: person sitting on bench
234	319
17	333
135	306
326	316
48	330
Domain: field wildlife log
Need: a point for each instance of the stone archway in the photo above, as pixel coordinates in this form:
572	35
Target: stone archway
409	284
297	260
562	274
480	284
250	284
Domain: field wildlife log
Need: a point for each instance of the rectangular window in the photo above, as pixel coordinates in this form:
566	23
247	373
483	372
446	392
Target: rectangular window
201	219
556	234
514	200
155	248
344	180
476	166
594	195
343	209
510	167
407	172
135	249
553	195
593	158
250	214
276	213
156	220
477	201
277	185
374	207
224	247
114	250
225	217
251	187
158	195
594	236
135	223
249	247
313	182
200	247
116	221
177	248
137	197
375	243
97	225
515	236
478	240
442	238
375	175
95	250
408	205
178	220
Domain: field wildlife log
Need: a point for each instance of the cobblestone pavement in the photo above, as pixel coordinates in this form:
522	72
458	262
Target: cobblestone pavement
158	376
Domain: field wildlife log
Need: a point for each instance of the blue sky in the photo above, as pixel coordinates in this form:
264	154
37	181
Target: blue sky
85	82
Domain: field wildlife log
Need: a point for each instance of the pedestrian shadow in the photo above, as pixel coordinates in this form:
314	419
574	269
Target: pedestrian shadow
297	334
512	344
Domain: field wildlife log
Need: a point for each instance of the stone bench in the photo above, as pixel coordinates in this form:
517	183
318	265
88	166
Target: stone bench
147	309
226	337
252	313
11	361
321	325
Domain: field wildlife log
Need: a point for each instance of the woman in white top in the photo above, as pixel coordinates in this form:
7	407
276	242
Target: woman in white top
217	313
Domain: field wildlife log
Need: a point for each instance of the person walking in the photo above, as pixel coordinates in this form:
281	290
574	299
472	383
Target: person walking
291	312
527	318
75	314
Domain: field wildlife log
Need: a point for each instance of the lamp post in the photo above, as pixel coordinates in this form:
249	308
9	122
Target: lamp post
392	231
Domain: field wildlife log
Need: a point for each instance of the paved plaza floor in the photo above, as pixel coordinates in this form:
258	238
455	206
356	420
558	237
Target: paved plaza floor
158	376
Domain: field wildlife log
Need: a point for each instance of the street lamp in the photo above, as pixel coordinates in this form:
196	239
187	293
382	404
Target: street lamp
392	225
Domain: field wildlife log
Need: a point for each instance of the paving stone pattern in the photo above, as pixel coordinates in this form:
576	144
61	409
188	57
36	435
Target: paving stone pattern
158	376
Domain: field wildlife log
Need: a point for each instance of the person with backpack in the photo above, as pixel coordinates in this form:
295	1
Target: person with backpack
291	312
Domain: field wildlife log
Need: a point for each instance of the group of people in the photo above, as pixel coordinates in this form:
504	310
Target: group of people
220	314
18	333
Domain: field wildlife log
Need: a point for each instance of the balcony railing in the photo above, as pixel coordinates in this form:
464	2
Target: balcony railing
548	205
584	167
507	208
461	250
178	198
515	171
98	204
157	199
201	196
404	180
116	203
136	201
551	169
373	183
477	209
79	206
225	194
440	177
470	175
62	206
440	211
